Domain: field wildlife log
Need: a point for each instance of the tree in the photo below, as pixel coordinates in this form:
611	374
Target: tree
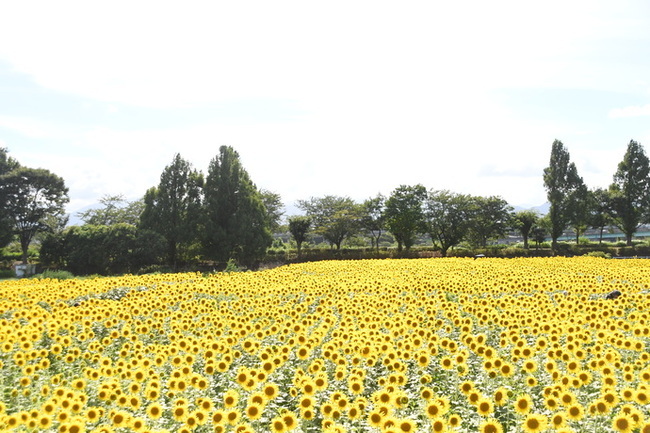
404	215
525	220
335	218
7	165
115	210
600	212
630	191
373	218
489	218
581	204
539	235
448	218
274	209
299	227
30	195
173	208
561	181
236	224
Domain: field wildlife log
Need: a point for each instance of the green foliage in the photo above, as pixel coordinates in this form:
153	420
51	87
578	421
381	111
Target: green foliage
524	221
601	209
7	165
104	250
404	214
231	266
335	218
6	273
274	209
57	274
630	191
489	218
299	228
174	209
28	197
563	185
601	254
448	218
236	223
373	218
115	210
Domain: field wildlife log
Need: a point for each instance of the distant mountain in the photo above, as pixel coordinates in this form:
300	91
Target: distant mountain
542	209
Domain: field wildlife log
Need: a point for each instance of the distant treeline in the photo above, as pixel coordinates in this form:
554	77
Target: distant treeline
222	219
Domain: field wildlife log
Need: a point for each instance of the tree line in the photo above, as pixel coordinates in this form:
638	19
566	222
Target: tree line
625	204
223	217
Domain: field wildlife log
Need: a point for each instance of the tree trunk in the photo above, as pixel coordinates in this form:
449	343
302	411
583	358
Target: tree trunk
600	239
526	242
24	245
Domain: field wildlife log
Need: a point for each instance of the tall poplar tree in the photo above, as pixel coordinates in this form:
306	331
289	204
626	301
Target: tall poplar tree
236	225
562	184
630	192
173	208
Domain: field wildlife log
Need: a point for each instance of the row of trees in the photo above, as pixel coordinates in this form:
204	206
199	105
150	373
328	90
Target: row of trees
188	216
450	218
223	216
625	204
446	217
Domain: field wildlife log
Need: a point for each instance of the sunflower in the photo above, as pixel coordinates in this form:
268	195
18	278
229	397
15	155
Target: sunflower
44	422
277	425
535	423
490	426
575	412
623	423
230	398
254	412
232	416
375	418
433	410
406	425
500	396
642	397
484	407
524	404
290	421
438	425
270	391
559	419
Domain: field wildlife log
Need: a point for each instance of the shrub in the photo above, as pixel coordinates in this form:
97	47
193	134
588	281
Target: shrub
54	274
6	273
601	254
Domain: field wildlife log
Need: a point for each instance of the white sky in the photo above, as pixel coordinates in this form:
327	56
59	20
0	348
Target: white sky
324	98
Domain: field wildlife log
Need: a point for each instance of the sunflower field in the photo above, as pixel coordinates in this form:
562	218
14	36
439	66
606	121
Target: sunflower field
419	345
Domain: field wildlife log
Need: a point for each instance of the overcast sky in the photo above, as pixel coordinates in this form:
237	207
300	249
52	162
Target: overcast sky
325	98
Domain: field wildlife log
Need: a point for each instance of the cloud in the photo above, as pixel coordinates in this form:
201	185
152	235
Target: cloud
519	171
630	111
30	127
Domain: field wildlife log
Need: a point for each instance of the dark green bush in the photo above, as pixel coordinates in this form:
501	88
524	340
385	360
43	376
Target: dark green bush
6	273
54	274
